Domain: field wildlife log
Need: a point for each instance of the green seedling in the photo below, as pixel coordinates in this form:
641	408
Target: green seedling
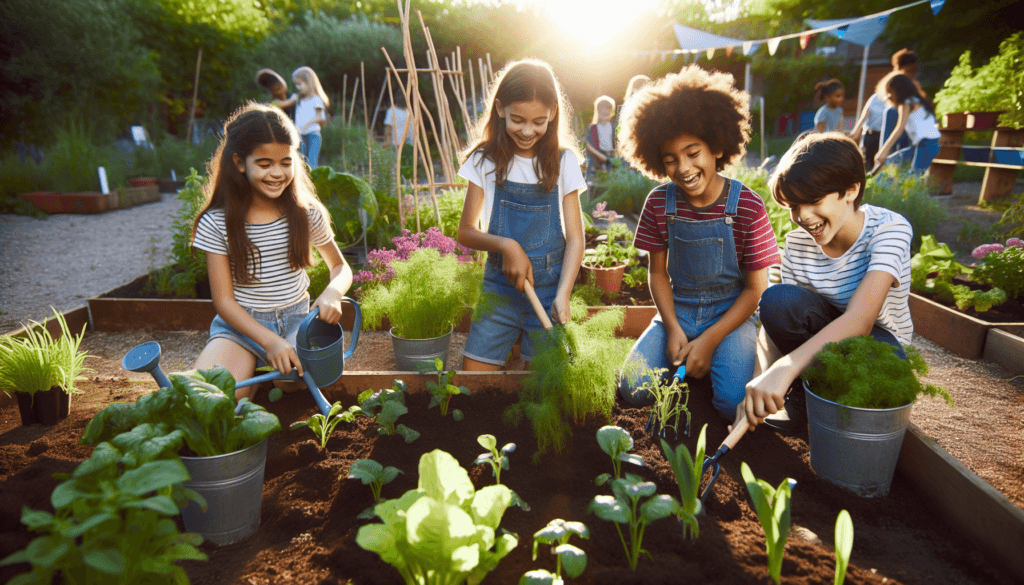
670	394
498	460
391	403
844	545
442	390
688	471
445	530
373	474
625	507
772	507
617	443
322	426
557	534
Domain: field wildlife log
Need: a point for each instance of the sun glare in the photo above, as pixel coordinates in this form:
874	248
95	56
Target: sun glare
595	21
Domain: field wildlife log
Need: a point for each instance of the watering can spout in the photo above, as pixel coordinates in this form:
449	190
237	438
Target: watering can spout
146	358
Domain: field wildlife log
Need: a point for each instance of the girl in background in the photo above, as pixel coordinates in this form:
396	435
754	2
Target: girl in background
269	80
829	117
916	119
261	216
311	105
524	185
868	130
600	137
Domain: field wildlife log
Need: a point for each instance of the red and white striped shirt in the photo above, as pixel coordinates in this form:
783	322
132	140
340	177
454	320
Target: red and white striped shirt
756	247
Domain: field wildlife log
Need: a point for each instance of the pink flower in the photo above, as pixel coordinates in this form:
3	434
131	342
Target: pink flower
600	213
985	249
1015	243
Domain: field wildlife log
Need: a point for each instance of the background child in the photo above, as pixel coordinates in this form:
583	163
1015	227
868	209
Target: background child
600	137
868	129
311	107
845	272
524	185
709	238
261	216
269	80
829	117
915	119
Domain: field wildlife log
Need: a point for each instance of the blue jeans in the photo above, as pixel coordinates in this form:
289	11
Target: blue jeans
732	364
310	148
283	321
791	315
920	157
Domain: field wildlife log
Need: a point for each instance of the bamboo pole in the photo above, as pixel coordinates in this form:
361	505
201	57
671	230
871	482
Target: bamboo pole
398	146
380	98
445	113
461	97
457	59
483	77
355	94
344	95
490	70
195	96
366	123
472	90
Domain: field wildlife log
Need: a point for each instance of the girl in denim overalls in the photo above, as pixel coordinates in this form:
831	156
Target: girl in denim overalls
709	237
524	185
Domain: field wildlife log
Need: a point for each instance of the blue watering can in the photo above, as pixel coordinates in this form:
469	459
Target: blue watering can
319	345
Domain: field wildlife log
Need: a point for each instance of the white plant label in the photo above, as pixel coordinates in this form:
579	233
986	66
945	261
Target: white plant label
103	181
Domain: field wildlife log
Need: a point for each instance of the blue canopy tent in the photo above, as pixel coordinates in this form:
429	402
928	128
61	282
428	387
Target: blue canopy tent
859	31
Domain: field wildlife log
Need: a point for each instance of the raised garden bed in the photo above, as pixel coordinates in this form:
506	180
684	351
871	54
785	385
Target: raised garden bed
309	507
962	333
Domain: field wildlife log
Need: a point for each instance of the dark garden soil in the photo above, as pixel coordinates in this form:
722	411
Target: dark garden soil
309	507
140	288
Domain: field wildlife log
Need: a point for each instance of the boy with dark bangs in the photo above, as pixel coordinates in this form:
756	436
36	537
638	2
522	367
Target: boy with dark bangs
709	238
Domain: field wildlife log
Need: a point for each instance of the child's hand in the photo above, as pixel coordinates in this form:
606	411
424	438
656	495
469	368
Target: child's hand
674	347
516	265
560	309
766	394
282	356
697	355
329	303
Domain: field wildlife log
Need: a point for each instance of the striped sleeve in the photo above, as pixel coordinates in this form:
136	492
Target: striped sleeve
320	233
890	247
758	248
652	229
211	235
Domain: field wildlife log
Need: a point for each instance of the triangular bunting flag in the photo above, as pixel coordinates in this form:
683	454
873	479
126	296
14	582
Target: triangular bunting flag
937	6
728	51
841	31
804	39
711	53
749	48
773	45
882	19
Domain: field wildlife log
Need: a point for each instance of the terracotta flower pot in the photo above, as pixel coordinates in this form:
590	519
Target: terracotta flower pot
954	120
982	120
607	279
142	181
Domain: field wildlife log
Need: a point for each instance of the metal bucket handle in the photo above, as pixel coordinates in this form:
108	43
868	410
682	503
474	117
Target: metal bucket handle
357	324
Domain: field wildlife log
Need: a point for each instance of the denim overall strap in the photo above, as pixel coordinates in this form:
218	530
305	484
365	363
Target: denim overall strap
702	253
530	216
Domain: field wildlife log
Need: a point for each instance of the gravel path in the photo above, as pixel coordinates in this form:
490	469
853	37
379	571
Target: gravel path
67	258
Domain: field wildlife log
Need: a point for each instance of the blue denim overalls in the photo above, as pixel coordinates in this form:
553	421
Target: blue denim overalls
531	216
706	280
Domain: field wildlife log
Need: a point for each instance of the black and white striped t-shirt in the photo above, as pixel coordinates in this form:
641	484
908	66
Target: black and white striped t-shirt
275	284
884	244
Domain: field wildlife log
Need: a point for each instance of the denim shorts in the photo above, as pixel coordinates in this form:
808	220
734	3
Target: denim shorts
283	321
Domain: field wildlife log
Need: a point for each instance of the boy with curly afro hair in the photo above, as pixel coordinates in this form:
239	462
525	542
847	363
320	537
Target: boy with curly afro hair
708	236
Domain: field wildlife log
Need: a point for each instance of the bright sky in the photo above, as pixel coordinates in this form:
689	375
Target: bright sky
596	21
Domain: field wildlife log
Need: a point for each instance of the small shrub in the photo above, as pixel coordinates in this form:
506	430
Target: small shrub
1001	267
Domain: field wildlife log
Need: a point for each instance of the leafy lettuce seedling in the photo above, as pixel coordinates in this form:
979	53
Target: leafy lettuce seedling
688	471
497	459
373	474
844	545
625	508
617	443
567	556
772	507
391	405
445	531
322	426
442	390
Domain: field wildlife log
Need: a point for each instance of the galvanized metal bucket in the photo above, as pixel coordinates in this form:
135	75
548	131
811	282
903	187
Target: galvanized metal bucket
855	448
410	351
232	485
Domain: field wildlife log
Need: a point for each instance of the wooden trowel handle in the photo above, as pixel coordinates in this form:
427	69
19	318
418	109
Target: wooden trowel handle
537	307
737	433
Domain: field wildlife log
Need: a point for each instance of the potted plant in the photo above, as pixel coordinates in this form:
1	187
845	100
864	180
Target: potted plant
41	371
859	395
606	263
985	92
224	452
424	300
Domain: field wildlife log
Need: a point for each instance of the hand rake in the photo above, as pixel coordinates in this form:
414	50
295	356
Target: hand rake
712	463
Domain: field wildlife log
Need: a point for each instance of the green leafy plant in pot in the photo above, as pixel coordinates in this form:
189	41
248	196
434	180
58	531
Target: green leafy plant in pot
859	395
607	262
224	448
41	371
428	295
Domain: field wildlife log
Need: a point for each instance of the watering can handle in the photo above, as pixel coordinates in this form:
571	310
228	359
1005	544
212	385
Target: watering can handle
537	307
357	324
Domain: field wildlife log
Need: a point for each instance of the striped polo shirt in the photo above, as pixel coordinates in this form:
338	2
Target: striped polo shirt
883	244
756	247
276	284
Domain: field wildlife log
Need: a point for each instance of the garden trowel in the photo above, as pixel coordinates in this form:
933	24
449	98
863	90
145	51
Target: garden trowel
557	334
